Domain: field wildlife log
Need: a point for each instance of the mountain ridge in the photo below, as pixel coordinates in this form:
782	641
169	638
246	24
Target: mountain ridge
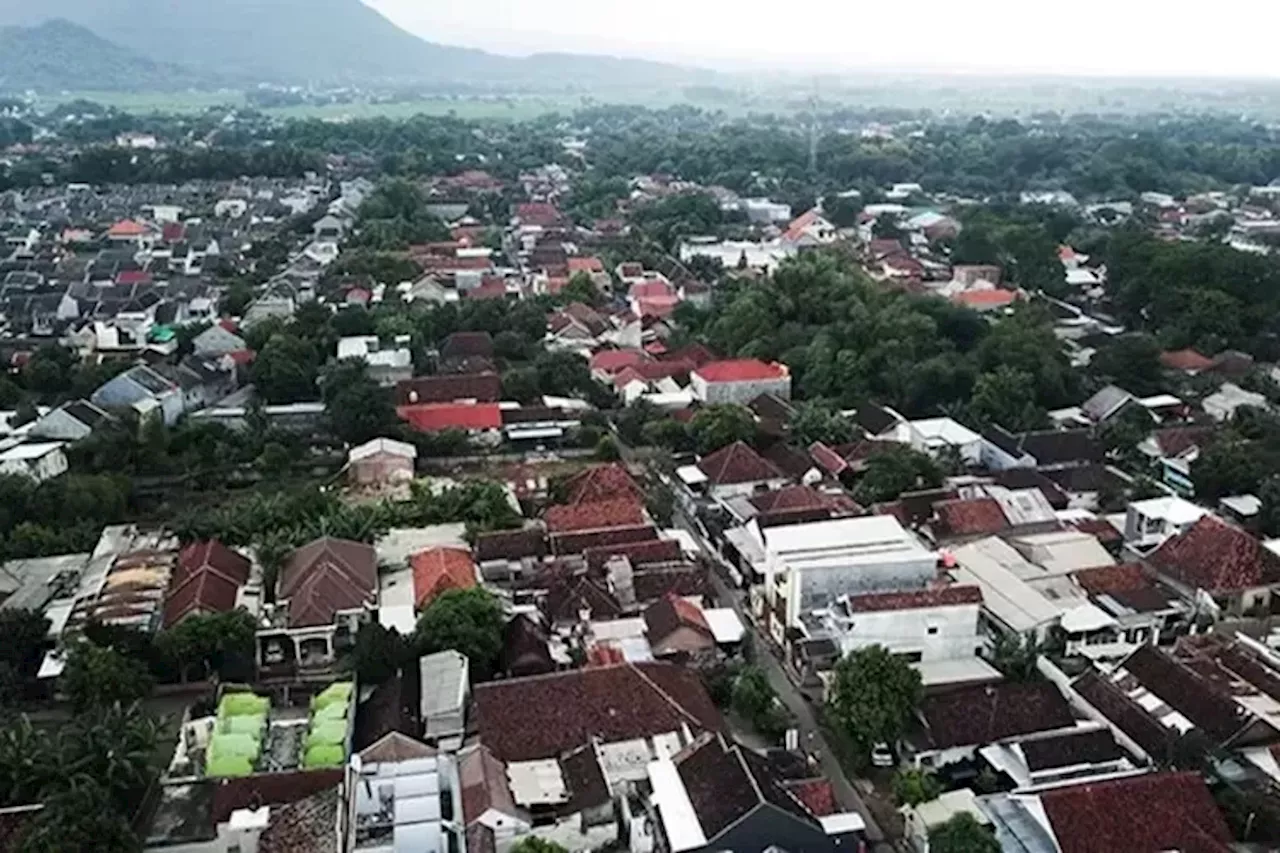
319	41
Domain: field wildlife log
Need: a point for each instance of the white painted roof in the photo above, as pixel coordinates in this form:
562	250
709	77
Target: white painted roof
691	474
1086	617
845	822
1244	505
23	452
1172	509
1005	595
444	682
945	430
725	625
383	445
872	538
948	805
683	829
956	671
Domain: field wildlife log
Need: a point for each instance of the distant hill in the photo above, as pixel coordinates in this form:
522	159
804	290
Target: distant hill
57	54
321	41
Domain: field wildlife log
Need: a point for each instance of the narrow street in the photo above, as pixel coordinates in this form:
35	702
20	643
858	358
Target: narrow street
811	737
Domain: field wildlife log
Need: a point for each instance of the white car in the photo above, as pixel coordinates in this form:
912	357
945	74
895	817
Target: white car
882	756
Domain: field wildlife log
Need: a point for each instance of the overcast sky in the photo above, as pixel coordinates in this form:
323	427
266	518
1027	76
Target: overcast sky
1129	37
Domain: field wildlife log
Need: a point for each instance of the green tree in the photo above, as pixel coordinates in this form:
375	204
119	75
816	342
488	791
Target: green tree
96	677
1269	513
1006	397
816	422
842	211
1228	466
974	245
720	425
1016	657
660	501
580	289
357	409
668	433
521	384
532	844
913	786
49	370
205	644
25	635
873	696
1131	361
468	620
236	298
379	653
963	834
606	449
894	469
80	819
1122	434
285	370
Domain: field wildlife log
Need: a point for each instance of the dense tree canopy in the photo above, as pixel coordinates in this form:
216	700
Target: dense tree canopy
467	620
873	696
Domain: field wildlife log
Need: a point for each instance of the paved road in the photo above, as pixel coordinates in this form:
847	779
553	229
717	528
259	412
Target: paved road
811	738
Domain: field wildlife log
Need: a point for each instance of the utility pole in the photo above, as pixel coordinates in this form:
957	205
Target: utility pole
813	130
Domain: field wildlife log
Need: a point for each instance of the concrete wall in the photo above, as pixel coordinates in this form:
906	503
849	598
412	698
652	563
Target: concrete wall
937	633
738	392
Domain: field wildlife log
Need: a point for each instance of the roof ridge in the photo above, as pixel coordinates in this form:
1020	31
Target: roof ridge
664	694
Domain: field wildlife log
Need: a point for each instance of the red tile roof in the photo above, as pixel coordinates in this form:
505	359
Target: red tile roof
1175	441
440	569
741	370
526	719
481	387
127	228
1125	577
669	614
269	789
585	264
1216	557
695	354
738	463
795	498
1103	530
538	213
602	483
828	459
968	517
326	576
173	232
817	795
639	553
1186	360
988	713
578	542
985	298
610	361
595	515
446	416
133	277
949	596
1150	813
207	579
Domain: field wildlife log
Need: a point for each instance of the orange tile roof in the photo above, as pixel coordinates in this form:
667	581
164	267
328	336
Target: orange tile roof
440	569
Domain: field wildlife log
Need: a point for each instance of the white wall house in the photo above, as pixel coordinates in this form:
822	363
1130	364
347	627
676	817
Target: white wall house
807	566
1149	523
39	461
920	625
941	436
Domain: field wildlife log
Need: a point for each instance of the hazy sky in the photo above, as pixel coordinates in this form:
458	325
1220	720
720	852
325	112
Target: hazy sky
1224	38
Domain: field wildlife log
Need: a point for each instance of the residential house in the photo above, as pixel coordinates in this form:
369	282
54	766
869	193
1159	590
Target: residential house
326	590
1175	449
941	438
525	648
1087	751
445	679
209	578
1139	611
1149	523
38	461
935	629
70	422
738	470
402	795
1106	404
1220	566
482	422
218	340
1211	697
1223	403
463	348
808	566
454	388
439	570
956	724
717	795
573	528
1044	449
923	818
203	381
809	229
144	391
739	381
1186	361
1148	811
385	366
570	740
677	628
381	462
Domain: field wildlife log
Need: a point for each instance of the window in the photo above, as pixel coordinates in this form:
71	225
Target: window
933	629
